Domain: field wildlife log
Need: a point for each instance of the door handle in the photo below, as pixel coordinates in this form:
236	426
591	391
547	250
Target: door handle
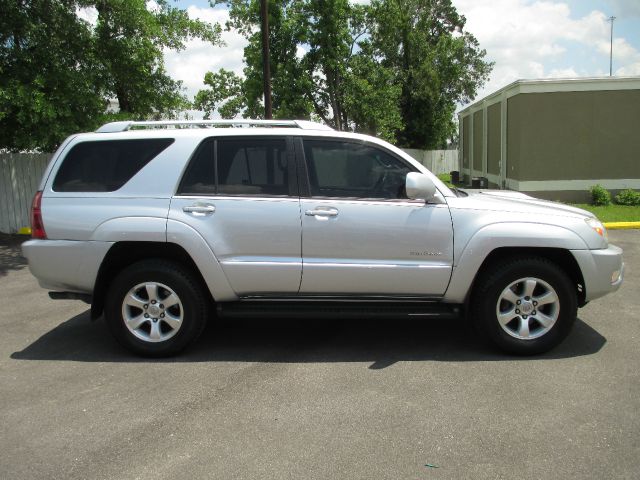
199	209
322	212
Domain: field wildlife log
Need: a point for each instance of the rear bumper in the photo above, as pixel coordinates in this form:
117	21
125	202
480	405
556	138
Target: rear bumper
602	270
65	265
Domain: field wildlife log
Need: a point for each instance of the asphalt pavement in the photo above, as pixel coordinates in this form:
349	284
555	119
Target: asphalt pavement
304	400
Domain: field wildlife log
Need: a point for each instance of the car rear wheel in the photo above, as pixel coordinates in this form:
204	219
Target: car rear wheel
156	308
524	306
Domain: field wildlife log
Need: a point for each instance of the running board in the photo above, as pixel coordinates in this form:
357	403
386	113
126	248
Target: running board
85	297
337	310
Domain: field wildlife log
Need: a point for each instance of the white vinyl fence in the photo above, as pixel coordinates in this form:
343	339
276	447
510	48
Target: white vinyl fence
20	175
437	161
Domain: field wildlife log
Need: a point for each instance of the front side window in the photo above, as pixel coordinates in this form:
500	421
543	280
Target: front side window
242	166
106	165
353	170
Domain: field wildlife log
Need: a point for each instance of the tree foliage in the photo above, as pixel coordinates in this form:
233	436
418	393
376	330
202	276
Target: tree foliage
225	94
58	72
129	40
291	84
393	68
47	86
436	62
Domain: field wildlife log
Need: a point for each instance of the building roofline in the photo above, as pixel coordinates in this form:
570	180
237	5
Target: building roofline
555	85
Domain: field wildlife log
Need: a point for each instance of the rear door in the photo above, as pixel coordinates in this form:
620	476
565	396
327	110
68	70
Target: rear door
361	234
241	195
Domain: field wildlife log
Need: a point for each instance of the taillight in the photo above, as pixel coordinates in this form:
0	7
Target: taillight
37	227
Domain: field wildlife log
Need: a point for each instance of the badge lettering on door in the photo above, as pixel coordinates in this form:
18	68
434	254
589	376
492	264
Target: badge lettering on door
425	254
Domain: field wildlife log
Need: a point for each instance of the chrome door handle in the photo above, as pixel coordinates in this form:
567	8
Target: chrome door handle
322	212
199	209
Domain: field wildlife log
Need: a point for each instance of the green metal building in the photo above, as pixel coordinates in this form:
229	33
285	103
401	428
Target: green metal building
555	138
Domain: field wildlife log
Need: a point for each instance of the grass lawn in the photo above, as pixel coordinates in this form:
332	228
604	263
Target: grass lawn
613	213
446	179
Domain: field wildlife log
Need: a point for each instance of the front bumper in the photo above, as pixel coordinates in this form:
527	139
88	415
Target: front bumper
602	270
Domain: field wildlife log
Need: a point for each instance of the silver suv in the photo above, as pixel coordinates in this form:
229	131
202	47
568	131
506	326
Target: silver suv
162	225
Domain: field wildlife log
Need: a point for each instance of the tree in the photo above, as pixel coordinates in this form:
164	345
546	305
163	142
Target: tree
394	68
58	72
129	40
290	82
437	63
317	68
47	80
224	95
372	98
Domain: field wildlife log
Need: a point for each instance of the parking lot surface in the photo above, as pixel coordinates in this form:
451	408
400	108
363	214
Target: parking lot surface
300	400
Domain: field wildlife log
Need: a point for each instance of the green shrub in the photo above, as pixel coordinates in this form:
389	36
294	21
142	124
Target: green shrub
446	178
628	197
600	195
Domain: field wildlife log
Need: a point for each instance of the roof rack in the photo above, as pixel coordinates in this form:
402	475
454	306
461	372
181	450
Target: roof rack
131	125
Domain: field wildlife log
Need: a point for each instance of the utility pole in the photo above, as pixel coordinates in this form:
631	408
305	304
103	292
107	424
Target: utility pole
266	68
611	19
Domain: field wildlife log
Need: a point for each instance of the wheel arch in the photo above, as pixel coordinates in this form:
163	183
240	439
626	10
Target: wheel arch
559	256
123	254
498	242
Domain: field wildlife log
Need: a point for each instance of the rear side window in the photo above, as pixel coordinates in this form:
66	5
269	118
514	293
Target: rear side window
105	166
246	166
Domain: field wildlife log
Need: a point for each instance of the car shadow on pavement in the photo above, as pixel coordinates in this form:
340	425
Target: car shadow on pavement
380	343
10	254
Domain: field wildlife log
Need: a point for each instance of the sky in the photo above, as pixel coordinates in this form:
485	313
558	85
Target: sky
527	39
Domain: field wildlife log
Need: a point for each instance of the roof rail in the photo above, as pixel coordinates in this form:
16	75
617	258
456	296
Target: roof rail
130	125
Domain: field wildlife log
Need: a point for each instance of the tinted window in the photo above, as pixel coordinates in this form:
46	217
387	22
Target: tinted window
200	175
247	166
345	169
252	167
105	166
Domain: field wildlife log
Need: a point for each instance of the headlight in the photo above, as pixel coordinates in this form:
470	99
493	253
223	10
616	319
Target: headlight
597	226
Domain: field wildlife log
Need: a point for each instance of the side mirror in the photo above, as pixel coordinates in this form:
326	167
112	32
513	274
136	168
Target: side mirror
419	186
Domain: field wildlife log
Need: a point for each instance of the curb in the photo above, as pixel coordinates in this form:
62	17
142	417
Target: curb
621	225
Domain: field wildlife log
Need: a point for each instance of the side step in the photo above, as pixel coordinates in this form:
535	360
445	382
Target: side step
337	310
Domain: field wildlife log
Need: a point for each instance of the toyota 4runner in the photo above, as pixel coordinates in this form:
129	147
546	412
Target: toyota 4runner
161	225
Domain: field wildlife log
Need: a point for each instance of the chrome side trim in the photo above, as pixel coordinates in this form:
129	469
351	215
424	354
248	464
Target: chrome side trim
341	298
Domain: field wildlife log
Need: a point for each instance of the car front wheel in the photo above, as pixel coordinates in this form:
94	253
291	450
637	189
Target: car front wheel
524	306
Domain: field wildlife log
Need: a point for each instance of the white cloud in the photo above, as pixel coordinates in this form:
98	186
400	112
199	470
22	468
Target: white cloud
630	69
301	51
198	58
524	36
88	14
563	73
153	6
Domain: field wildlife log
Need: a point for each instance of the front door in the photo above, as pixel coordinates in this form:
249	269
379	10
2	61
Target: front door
240	194
361	234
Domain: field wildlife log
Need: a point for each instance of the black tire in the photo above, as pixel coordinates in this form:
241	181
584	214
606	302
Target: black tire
169	277
491	286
